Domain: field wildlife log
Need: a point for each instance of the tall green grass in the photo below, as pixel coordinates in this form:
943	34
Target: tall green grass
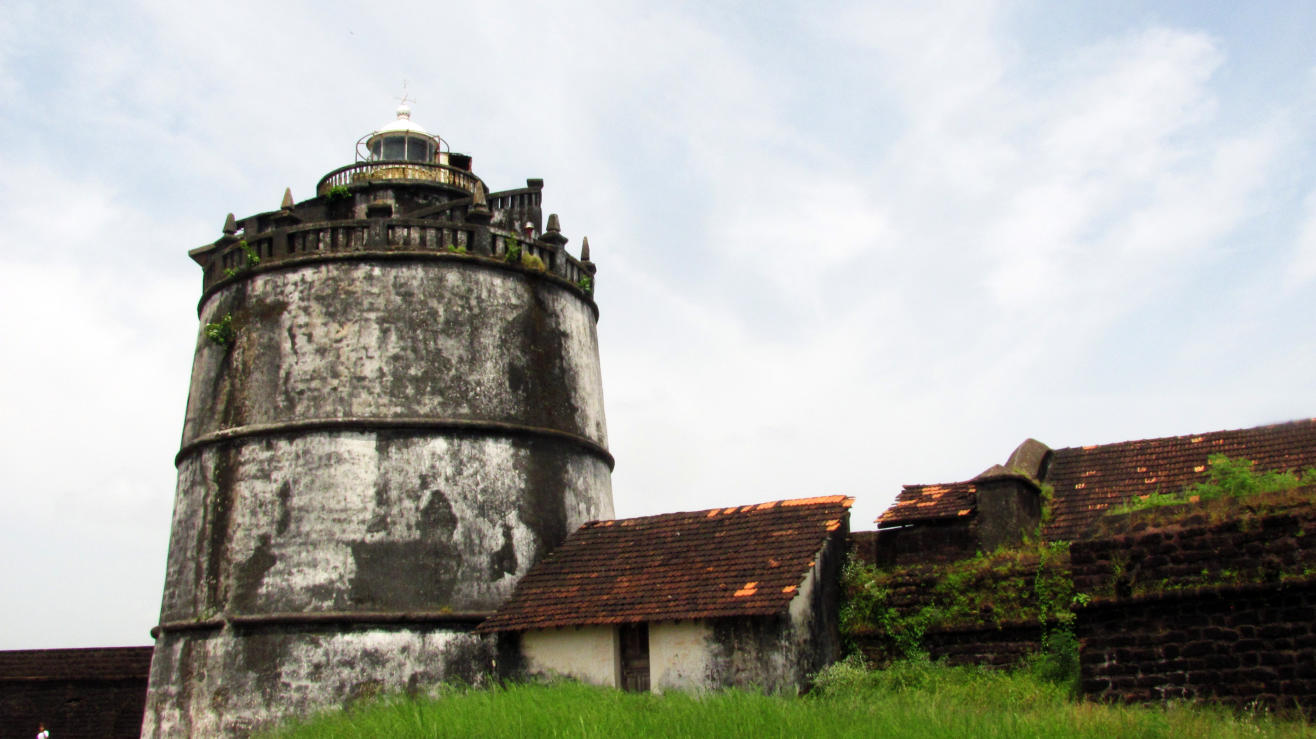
909	699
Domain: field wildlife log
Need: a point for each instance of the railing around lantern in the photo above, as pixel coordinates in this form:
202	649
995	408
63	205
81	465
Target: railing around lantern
389	170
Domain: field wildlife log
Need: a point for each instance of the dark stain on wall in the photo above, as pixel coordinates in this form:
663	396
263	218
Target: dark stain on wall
469	660
215	530
249	575
539	374
403	574
503	561
285	514
542	507
263	655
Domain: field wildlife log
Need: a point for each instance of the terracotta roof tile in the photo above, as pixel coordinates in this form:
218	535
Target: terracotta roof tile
738	561
930	502
1087	480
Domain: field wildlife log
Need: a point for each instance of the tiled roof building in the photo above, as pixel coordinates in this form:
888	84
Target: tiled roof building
710	580
1085	481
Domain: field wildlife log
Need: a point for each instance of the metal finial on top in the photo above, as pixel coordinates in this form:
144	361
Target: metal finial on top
404	110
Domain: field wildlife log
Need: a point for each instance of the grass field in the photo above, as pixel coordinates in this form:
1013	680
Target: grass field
912	699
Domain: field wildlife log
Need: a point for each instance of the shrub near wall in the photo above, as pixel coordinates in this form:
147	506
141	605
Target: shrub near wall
992	609
1214	601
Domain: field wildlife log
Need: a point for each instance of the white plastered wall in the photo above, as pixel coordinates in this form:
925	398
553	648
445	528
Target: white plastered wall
679	656
586	653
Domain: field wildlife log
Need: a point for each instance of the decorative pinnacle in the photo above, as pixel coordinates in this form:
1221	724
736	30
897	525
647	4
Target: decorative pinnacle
287	199
230	225
553	234
479	210
584	249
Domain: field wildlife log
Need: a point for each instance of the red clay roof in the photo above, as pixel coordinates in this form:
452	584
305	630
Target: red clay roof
104	663
1089	479
737	561
930	502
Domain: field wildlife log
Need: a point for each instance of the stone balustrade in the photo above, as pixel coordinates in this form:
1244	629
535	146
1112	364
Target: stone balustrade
399	235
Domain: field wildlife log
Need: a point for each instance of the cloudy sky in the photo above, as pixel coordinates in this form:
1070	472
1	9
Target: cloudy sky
841	247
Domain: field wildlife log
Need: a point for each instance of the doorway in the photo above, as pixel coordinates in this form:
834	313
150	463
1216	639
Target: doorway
634	657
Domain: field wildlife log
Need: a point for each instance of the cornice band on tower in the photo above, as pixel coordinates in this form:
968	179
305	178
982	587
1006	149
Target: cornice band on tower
456	425
453	620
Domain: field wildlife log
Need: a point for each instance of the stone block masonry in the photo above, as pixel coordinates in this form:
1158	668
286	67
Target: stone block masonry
1241	645
76	693
1188	608
1005	646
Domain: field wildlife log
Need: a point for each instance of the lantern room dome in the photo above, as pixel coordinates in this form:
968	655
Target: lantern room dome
401	140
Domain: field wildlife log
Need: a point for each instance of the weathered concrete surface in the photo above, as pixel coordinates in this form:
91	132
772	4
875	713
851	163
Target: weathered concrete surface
368	522
326	503
231	683
399	339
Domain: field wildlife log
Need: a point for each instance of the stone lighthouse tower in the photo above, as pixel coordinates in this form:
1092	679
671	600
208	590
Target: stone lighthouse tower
395	409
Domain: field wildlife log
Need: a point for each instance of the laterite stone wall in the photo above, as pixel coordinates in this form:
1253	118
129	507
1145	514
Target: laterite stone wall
1241	645
1196	609
76	693
1266	544
1000	628
1006	646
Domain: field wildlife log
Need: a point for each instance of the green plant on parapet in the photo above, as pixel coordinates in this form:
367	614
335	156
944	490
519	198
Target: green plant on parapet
221	332
898	605
454	249
1047	493
338	191
513	254
1226	478
587	284
232	272
253	258
530	261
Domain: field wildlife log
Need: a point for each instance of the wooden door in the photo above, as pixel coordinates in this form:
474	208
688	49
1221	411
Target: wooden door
634	657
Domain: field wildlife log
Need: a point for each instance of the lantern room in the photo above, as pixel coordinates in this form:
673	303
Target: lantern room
402	140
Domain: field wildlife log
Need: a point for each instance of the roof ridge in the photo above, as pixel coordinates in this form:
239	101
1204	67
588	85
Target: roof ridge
844	500
1205	434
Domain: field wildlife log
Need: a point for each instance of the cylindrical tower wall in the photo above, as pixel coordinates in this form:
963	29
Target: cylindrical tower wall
384	446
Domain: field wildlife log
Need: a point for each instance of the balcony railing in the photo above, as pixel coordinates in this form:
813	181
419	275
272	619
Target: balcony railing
378	171
396	234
